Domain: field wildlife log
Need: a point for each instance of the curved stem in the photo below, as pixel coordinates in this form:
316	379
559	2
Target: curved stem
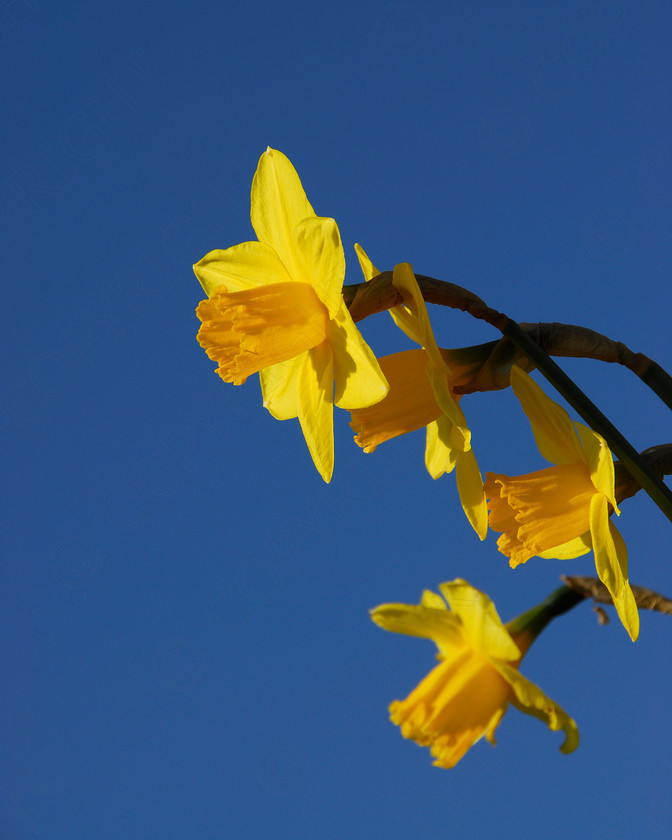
628	455
379	294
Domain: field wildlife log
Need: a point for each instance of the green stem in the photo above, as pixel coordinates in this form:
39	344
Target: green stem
627	454
533	621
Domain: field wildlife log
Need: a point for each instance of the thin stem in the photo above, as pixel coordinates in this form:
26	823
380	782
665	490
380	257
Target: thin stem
379	294
646	599
628	455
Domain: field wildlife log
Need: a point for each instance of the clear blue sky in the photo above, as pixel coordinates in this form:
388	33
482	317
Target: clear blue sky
186	646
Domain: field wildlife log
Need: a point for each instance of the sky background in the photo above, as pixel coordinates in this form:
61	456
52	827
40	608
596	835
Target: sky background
186	647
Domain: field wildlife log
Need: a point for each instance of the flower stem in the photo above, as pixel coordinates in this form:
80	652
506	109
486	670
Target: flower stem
628	455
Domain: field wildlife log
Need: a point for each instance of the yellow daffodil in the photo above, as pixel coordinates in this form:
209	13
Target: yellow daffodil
464	697
421	395
275	308
562	511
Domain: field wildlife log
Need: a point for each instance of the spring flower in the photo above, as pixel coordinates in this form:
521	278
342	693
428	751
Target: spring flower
275	308
421	395
563	511
466	695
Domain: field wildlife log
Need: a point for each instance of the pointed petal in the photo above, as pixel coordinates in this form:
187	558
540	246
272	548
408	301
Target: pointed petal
404	280
432	599
400	315
600	463
611	562
278	388
441	453
531	700
472	495
314	390
482	625
359	379
241	267
319	244
437	369
368	268
553	430
419	620
572	548
279	203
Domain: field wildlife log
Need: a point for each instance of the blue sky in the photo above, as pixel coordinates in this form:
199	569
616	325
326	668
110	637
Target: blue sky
186	646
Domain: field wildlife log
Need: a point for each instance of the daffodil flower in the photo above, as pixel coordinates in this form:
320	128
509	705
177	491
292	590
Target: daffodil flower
563	511
465	697
421	395
275	307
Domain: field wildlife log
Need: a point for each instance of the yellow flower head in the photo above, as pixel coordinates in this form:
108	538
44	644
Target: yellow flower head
275	307
466	695
421	395
562	511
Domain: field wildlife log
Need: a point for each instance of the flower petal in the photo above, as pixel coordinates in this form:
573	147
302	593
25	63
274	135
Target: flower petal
432	599
241	267
443	446
553	430
611	562
531	700
419	620
279	203
319	243
600	463
359	379
368	268
400	314
472	495
480	620
315	402
278	388
438	371
570	549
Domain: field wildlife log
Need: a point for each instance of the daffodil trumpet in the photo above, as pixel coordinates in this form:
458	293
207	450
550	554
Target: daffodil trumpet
562	511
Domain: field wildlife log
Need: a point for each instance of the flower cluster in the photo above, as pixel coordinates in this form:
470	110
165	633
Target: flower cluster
275	307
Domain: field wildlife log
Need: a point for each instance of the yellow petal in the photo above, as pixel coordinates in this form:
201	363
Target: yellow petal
553	430
419	620
359	379
314	389
404	280
432	599
241	267
472	495
480	620
600	463
368	268
279	203
278	388
531	700
400	315
408	406
438	371
611	562
570	549
443	446
319	243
